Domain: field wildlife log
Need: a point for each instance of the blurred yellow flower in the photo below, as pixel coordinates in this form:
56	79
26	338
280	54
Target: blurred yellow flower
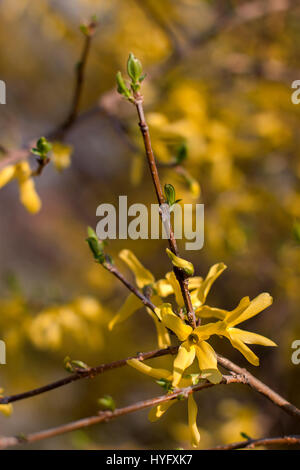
28	195
6	410
61	155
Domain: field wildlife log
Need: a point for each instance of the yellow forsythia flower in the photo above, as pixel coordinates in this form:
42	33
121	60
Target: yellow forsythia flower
61	155
6	175
193	344
28	195
239	338
6	410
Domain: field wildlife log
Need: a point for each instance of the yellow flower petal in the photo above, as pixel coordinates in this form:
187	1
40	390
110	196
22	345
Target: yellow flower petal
143	277
151	371
195	282
181	263
23	170
205	331
6	410
261	302
235	314
172	321
251	338
208	364
176	288
184	358
157	412
6	175
210	312
163	336
61	155
163	288
240	346
214	272
131	305
192	417
29	197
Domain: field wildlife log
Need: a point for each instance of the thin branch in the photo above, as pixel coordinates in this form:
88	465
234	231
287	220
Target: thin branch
79	79
260	387
92	372
106	416
112	269
180	274
89	373
265	441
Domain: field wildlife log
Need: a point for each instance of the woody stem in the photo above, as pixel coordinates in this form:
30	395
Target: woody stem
179	273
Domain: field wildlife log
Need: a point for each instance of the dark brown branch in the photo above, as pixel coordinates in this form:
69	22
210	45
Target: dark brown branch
265	441
105	416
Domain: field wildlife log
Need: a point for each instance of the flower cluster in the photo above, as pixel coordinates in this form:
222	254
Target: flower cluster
193	341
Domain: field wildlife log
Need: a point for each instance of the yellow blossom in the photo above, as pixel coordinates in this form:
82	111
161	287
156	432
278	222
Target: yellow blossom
6	410
61	155
6	175
158	411
28	195
229	319
193	345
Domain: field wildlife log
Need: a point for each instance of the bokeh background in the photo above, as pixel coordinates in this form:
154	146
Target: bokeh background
219	79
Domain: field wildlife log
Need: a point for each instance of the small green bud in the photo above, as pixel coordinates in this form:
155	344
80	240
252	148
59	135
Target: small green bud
71	365
96	246
122	88
67	364
42	147
134	69
170	194
79	364
107	403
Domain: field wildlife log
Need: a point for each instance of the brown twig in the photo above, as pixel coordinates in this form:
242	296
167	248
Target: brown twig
79	80
265	441
180	274
89	373
112	269
105	416
260	387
